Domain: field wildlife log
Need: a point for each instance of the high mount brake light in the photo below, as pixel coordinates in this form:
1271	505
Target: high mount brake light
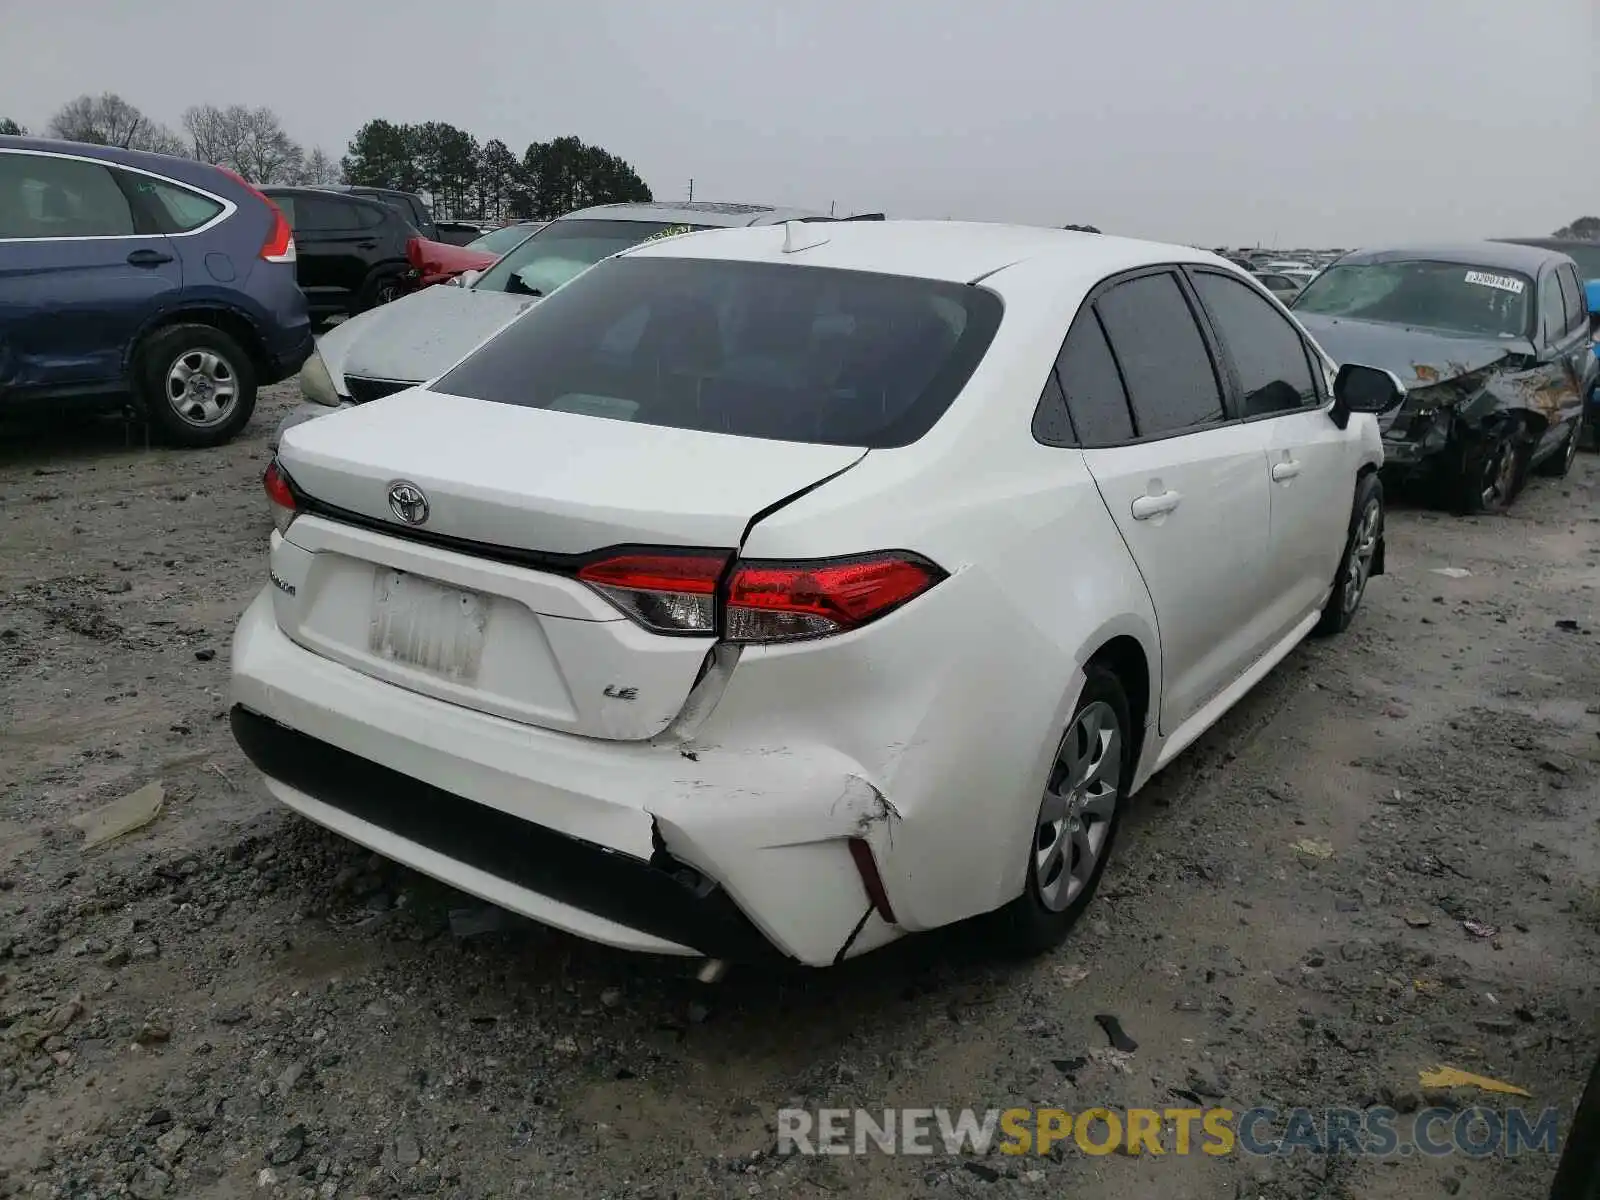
279	246
281	496
763	601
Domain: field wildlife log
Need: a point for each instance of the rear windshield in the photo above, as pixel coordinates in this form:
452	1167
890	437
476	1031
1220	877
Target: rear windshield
768	350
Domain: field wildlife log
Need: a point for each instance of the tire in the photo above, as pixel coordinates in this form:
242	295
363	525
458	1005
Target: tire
1578	1171
381	287
1052	902
1559	463
1361	548
196	383
1488	474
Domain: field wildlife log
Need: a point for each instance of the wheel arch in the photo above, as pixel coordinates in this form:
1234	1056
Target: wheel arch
1135	661
231	321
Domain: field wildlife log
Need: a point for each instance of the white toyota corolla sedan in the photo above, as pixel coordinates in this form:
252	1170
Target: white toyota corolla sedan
791	589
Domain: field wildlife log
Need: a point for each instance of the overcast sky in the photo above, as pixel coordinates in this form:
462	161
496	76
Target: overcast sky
1307	122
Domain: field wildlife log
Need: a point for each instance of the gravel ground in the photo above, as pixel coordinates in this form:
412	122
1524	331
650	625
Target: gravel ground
231	1002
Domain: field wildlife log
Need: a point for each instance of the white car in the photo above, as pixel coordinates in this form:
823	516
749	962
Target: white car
792	589
417	337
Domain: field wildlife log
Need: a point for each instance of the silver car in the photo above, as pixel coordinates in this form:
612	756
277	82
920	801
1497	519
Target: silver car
417	337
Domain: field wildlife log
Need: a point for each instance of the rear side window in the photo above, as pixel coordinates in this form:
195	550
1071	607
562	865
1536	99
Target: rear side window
1172	383
172	208
42	196
1268	356
321	214
368	216
792	353
1093	388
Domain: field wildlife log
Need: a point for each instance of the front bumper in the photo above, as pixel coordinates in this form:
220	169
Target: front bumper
635	845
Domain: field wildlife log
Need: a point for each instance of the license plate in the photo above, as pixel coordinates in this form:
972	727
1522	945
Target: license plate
427	625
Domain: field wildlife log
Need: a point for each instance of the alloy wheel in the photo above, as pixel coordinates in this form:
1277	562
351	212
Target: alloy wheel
1363	548
1079	801
202	387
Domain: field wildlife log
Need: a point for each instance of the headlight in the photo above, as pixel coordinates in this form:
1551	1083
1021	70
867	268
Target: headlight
316	384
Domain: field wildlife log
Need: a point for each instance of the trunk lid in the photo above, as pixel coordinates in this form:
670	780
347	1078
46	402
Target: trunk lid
513	634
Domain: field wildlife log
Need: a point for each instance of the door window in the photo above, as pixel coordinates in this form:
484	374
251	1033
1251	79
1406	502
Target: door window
174	209
42	196
1552	308
1577	306
324	214
1171	380
1093	389
1268	356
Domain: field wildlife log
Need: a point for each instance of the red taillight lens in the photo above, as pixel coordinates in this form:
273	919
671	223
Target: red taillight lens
667	593
763	601
780	602
279	246
280	495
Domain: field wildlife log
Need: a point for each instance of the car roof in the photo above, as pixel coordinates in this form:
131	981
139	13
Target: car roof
293	189
1504	256
953	251
184	170
694	212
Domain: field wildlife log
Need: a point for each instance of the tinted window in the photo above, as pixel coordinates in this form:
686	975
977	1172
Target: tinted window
1552	308
46	197
368	216
564	249
1577	304
174	209
768	350
1268	356
1171	381
320	214
1088	373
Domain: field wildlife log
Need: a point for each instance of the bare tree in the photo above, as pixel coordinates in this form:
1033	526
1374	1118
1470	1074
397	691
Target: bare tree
250	141
109	120
319	168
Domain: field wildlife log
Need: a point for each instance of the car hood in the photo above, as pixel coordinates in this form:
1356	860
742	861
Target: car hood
420	336
1420	357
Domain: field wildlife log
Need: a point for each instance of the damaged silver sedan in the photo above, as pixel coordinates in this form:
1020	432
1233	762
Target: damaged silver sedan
1492	343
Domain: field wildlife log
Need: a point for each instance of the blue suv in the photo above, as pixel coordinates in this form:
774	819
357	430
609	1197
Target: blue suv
132	279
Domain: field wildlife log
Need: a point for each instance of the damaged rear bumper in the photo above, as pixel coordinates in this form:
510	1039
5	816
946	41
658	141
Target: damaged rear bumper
731	854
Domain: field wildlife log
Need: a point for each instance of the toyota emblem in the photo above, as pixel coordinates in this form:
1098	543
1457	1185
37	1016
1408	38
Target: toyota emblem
407	502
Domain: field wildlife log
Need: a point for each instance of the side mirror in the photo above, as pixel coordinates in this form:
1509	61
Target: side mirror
1358	389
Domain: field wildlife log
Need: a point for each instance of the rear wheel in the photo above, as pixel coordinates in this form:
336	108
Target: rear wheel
1077	819
1559	463
1360	554
197	384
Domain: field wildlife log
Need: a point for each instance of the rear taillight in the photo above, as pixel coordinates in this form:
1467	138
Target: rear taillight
280	495
279	246
781	602
667	593
760	602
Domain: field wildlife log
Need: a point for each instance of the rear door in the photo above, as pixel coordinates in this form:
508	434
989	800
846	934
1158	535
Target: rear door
80	273
1182	480
333	247
1309	461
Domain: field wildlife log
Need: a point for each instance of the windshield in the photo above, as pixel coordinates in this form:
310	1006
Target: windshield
766	350
1448	296
500	240
563	249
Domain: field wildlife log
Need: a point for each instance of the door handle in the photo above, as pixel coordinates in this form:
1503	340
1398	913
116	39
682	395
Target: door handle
1145	507
1287	469
148	258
